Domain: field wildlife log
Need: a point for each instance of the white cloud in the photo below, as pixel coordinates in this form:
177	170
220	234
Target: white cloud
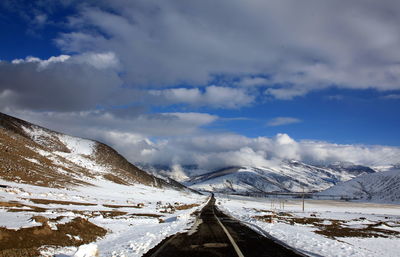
335	97
40	19
392	96
97	60
177	173
286	93
279	121
41	64
100	61
213	96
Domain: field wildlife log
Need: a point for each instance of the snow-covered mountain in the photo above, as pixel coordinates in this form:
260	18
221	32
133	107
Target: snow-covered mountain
35	155
288	176
377	187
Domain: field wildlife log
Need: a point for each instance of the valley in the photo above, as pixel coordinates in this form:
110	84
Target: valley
66	196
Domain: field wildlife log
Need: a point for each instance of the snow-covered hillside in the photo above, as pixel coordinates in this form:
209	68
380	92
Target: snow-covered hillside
377	187
288	176
58	192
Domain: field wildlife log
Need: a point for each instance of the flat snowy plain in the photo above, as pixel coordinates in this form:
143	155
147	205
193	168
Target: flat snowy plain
369	227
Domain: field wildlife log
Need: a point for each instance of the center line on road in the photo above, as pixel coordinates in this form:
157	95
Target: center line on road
235	246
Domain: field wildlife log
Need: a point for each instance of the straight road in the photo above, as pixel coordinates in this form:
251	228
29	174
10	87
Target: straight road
216	234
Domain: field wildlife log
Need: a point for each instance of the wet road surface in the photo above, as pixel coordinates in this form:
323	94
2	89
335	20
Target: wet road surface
216	234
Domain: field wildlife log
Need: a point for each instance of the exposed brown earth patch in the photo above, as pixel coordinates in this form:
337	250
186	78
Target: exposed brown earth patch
149	215
11	204
19	207
27	241
186	206
46	201
336	229
112	214
169	208
138	206
116	179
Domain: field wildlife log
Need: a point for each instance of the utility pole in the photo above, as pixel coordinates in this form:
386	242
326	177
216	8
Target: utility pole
303	200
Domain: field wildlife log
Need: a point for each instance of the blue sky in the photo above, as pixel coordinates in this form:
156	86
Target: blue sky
178	70
357	117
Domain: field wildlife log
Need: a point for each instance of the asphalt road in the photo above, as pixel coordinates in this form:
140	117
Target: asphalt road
216	234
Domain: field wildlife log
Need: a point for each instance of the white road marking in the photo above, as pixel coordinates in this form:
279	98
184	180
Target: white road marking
235	246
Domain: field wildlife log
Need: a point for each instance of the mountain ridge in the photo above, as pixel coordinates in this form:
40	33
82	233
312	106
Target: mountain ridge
288	176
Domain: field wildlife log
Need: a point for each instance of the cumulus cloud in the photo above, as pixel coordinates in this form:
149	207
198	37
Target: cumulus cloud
280	121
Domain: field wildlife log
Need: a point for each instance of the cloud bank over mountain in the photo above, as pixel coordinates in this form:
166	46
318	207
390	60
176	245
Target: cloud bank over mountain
155	79
217	151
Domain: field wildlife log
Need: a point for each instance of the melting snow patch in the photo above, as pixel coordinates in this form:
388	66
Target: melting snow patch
32	160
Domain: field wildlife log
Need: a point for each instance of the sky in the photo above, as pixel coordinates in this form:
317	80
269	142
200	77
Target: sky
211	83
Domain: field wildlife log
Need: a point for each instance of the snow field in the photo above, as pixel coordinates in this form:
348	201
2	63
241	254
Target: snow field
130	234
303	237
